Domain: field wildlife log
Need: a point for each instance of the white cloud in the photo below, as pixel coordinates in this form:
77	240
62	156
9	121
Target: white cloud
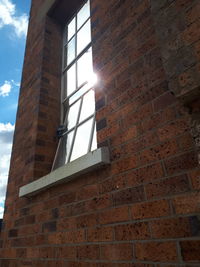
15	83
5	89
8	17
6	136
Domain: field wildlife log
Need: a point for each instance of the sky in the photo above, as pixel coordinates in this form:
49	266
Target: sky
13	29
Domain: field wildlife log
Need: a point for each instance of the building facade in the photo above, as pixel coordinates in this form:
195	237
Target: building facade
134	201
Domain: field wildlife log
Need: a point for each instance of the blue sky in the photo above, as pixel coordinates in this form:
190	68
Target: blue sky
13	27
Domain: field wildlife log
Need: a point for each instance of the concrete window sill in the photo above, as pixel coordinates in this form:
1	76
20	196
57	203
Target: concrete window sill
68	172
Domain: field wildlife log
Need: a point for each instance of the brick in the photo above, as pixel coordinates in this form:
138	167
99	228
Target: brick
169	186
117	252
190	250
101	124
185	141
197	49
88	252
100	103
13	233
128	196
125	265
133	231
156	251
195	178
163	150
181	163
145	174
124	164
98	203
126	135
193	13
192	33
49	227
153	209
68	252
100	234
113	184
163	101
114	215
171	228
66	223
87	192
187	204
67	198
173	129
157	119
86	220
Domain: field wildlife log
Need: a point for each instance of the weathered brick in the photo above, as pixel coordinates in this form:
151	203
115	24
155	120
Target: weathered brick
181	163
190	250
153	209
88	252
114	215
132	231
156	251
117	252
173	129
171	228
187	204
100	234
128	196
145	174
169	186
195	178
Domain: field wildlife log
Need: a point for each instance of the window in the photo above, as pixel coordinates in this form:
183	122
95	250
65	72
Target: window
78	135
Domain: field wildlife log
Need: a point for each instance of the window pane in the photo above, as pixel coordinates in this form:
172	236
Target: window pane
83	14
82	140
83	37
73	114
88	107
85	69
69	138
71	51
71	29
78	94
94	140
71	79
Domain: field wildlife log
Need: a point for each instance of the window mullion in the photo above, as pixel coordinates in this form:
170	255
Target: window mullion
91	134
77	57
75	130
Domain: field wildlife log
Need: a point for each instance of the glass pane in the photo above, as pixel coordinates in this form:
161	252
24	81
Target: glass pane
60	153
82	140
71	29
80	92
69	138
83	37
71	51
94	140
73	114
83	14
71	79
85	69
88	106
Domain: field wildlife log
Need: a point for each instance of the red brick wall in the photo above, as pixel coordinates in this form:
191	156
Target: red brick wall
143	209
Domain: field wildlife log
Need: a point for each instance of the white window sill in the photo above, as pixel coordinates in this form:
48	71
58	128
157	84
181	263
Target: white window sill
68	172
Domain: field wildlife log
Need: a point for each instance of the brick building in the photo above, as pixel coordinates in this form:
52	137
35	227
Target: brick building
134	201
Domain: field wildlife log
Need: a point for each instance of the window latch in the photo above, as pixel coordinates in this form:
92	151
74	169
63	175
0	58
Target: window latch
60	131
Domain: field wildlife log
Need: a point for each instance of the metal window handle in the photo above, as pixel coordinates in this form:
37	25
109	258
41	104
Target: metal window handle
60	131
